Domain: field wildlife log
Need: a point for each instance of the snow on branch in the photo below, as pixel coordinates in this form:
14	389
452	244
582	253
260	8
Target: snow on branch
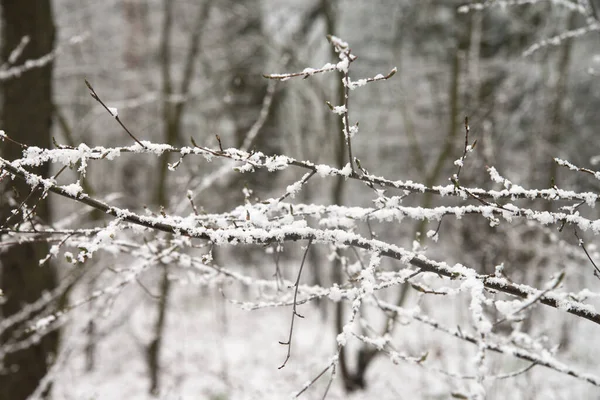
11	71
35	156
371	263
298	230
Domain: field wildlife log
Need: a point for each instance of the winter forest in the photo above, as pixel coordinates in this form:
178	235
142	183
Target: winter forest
312	199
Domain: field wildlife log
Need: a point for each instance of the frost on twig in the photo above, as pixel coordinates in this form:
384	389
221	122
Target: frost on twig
343	66
174	237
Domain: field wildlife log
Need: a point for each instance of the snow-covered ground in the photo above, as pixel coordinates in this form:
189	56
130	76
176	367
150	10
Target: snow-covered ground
213	349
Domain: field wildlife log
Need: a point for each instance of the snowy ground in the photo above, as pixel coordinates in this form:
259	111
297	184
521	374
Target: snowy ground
215	350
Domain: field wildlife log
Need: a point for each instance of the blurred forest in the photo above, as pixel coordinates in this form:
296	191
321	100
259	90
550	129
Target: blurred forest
191	72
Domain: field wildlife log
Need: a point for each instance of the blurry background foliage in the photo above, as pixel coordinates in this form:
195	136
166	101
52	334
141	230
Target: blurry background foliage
198	73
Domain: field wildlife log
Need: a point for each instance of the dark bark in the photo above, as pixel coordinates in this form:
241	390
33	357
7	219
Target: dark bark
26	116
153	350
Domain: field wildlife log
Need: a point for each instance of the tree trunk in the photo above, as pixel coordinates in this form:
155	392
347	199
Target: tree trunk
26	116
246	60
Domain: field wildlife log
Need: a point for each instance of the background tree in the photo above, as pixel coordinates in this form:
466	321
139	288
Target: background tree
27	109
163	308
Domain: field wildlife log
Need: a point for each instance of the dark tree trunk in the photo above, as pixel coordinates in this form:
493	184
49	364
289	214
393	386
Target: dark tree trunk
26	116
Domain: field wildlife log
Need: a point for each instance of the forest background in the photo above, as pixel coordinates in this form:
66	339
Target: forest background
122	312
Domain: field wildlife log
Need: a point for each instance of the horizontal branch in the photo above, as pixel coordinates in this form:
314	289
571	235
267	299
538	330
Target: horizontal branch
545	361
295	232
35	156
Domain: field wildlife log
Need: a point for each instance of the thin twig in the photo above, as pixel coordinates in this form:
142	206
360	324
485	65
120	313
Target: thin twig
347	133
292	190
260	160
283	234
466	150
294	308
559	278
582	244
111	112
316	378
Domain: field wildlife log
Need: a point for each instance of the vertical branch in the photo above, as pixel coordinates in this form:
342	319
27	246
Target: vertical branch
555	129
338	191
190	60
446	152
346	89
474	57
165	53
172	115
556	109
295	313
167	90
418	161
340	148
135	51
160	198
153	350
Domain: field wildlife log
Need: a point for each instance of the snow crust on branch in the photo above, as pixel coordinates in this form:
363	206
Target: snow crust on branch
275	222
